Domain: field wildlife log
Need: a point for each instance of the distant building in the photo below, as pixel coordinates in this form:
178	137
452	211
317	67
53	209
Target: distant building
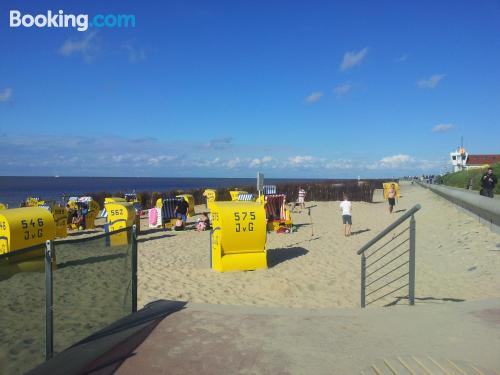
459	159
462	160
478	161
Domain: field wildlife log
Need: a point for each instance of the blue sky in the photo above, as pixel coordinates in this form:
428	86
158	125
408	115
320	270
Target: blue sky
229	88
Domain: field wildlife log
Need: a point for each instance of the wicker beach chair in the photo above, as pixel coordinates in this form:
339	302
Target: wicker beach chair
168	211
277	214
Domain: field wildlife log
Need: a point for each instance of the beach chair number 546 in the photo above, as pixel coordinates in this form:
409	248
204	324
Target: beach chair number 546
33	223
242	216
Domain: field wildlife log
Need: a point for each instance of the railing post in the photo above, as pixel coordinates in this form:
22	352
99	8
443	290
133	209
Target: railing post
134	268
363	281
411	282
49	303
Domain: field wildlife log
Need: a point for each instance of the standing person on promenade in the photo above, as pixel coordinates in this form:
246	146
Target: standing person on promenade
488	182
346	208
302	197
391	197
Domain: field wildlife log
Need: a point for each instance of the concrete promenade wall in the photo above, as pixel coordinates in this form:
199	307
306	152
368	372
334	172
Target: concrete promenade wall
487	210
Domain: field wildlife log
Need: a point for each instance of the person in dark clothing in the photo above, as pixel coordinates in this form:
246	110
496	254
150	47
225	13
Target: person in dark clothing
488	182
181	210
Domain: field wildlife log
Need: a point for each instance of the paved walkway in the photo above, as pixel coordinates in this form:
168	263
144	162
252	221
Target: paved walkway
217	339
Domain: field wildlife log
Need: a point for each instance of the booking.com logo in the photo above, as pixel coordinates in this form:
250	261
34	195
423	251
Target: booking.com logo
81	22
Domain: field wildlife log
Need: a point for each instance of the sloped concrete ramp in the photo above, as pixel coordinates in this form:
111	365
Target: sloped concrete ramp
462	338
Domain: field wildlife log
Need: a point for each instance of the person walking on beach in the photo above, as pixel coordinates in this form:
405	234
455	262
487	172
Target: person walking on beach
302	197
488	182
346	208
391	197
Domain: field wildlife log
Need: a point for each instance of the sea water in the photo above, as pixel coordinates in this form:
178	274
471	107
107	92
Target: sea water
13	190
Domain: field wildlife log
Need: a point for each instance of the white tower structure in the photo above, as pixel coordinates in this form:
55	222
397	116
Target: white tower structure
459	159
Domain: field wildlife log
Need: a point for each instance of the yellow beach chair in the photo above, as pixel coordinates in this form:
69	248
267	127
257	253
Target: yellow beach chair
120	215
238	240
114	199
59	213
210	195
25	227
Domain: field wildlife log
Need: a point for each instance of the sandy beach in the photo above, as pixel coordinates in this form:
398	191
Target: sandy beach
315	267
457	258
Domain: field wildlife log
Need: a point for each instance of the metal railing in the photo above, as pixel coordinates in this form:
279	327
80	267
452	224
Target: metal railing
398	246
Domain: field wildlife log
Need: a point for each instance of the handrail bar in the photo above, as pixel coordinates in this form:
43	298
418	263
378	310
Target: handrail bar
396	223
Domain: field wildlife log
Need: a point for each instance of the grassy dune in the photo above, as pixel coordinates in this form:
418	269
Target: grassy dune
461	179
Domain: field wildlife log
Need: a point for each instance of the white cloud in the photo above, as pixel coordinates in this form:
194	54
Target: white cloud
353	58
300	160
396	160
402	162
232	163
222	143
316	163
156	160
135	54
114	156
338	164
256	162
117	158
342	90
431	82
440	128
86	47
6	94
392	162
402	58
314	97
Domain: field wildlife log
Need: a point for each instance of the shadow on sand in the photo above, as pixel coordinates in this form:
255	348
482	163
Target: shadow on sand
301	225
360	231
90	260
165	235
84	231
277	256
151	230
424	299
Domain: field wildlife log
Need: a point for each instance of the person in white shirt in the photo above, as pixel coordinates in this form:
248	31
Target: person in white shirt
302	197
346	208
